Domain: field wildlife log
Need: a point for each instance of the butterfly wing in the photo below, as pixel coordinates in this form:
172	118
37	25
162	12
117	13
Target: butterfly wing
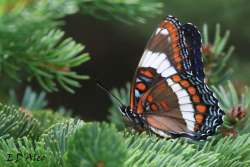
181	105
193	44
171	72
168	42
165	54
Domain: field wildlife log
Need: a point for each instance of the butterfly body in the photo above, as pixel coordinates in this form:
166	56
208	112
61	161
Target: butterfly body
168	94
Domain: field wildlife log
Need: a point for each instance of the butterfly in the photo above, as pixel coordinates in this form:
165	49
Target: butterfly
168	93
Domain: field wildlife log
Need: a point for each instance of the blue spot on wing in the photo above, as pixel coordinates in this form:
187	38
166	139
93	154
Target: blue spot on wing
193	41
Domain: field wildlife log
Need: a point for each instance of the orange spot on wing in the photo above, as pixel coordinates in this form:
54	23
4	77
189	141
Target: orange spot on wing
184	83
176	78
147	73
196	99
154	107
192	90
199	118
141	86
201	108
150	98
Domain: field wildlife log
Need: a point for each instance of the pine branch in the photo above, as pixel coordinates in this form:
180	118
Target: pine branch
151	151
30	100
24	122
25	153
48	60
32	45
48	118
16	124
56	138
216	56
48	151
235	103
232	151
95	145
123	10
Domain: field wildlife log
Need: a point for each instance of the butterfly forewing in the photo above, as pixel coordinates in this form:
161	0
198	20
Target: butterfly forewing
159	60
165	54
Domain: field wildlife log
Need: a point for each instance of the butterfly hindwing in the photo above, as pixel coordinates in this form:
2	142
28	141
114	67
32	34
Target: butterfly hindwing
177	106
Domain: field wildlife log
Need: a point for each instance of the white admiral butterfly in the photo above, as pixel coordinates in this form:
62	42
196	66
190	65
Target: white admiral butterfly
168	94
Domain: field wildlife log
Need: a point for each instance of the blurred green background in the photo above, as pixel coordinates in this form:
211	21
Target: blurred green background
117	47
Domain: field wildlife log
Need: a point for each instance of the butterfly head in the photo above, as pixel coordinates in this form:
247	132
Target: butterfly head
132	116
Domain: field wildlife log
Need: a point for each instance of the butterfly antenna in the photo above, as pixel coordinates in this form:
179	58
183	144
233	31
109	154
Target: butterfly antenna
100	85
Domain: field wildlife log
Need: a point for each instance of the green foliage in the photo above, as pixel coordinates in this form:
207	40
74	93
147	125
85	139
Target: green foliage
152	151
30	100
50	58
48	150
32	46
236	106
36	103
74	143
42	54
230	97
215	57
123	10
232	151
16	123
23	152
96	145
56	138
48	118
